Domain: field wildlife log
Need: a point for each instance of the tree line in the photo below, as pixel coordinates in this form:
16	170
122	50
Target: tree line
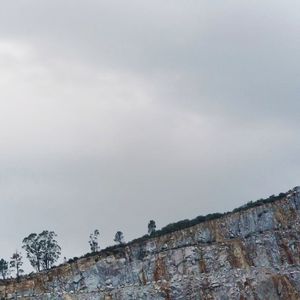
43	251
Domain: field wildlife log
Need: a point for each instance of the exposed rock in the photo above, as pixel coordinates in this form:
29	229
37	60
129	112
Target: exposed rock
250	254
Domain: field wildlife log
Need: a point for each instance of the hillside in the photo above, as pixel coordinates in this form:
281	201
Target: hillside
250	253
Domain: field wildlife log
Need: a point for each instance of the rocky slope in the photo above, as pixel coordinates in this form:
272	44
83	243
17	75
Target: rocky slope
250	254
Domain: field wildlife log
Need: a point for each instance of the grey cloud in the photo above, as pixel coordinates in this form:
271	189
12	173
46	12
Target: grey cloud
114	113
198	53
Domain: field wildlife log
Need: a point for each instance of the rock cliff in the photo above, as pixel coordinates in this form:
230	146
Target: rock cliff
250	254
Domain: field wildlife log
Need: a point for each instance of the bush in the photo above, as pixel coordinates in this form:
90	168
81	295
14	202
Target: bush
183	224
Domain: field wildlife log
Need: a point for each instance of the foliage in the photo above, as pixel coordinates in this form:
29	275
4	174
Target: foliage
259	202
119	237
200	219
16	263
151	227
94	244
3	268
42	249
71	260
16	259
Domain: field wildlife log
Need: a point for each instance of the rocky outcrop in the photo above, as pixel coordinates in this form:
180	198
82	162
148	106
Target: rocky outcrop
251	254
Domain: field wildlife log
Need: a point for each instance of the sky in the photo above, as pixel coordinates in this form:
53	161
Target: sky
113	113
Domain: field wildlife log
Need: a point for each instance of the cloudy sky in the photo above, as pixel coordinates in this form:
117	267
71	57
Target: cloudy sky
113	113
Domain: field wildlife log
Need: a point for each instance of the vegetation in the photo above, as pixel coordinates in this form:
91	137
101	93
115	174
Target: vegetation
42	249
16	263
259	202
151	227
200	219
119	237
3	268
94	244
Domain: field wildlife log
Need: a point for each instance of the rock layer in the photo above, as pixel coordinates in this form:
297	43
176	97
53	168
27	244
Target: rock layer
251	254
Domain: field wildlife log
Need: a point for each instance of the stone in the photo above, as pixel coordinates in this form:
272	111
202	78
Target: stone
250	254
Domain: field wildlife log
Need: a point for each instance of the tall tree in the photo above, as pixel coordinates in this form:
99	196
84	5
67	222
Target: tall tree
33	250
151	227
119	237
93	241
3	268
42	249
16	263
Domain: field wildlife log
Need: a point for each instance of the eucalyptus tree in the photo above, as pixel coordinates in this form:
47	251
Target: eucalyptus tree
16	262
93	241
42	249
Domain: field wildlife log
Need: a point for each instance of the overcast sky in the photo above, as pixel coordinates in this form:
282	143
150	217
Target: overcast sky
113	113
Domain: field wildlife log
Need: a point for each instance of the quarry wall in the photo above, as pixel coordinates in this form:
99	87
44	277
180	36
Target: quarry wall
250	254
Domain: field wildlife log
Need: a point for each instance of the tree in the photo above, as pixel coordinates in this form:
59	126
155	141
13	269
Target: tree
151	227
32	246
42	249
3	268
94	244
16	263
119	237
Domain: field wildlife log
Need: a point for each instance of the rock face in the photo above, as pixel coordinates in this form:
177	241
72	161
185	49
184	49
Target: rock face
251	254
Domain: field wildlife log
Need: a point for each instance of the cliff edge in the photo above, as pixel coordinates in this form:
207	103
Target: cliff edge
253	253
